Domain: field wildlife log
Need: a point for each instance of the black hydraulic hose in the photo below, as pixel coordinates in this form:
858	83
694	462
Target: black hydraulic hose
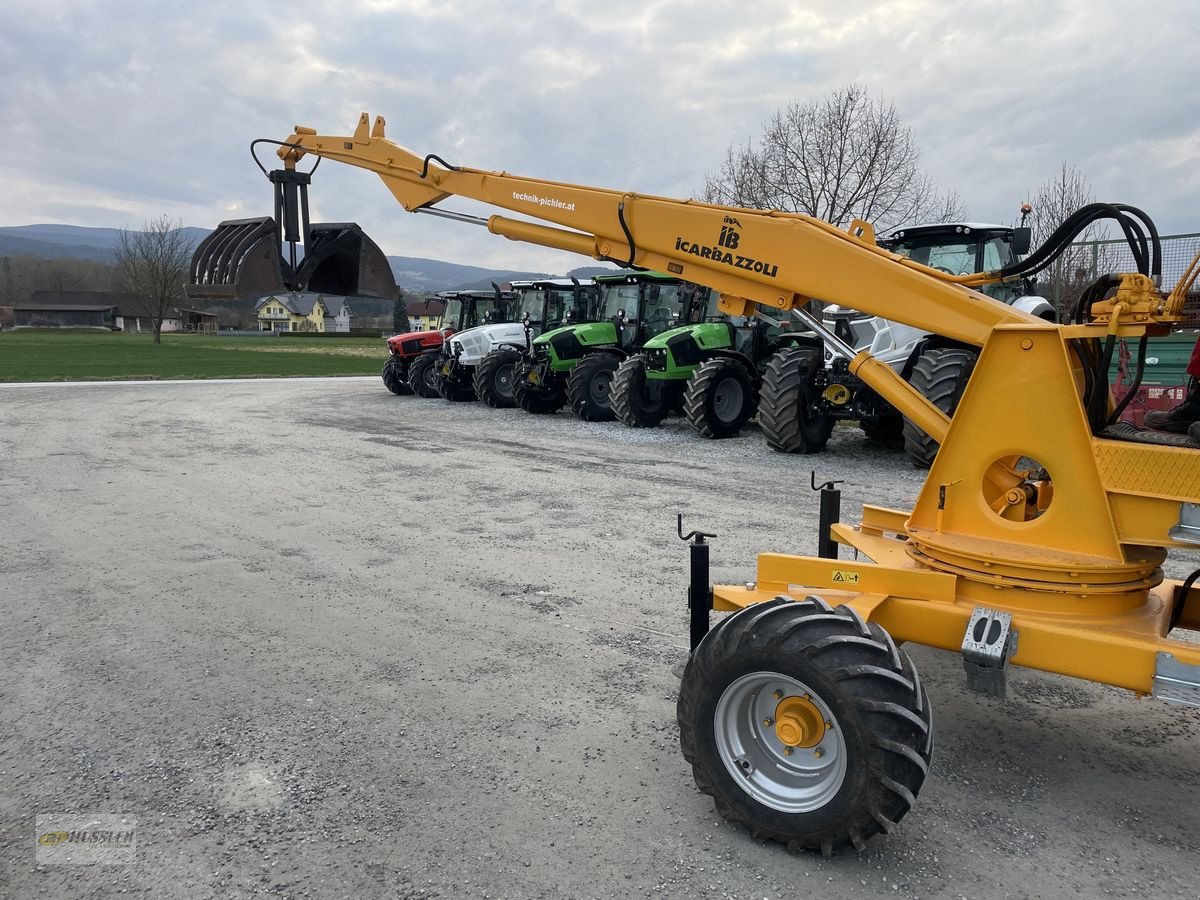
1181	598
1100	395
425	167
1115	416
1155	240
263	169
1089	380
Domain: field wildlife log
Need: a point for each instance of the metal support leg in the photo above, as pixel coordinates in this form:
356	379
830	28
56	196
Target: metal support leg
831	514
699	595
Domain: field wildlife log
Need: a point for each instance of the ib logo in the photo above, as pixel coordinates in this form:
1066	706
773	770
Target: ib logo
729	236
53	838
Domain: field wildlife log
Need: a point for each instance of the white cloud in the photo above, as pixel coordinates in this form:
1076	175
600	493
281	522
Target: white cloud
128	109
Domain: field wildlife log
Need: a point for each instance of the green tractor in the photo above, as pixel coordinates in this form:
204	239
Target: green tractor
710	368
575	364
541	305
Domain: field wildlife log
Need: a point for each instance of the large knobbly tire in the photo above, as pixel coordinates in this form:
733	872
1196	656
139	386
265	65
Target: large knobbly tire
494	378
941	375
421	374
883	430
589	387
720	398
534	400
875	742
785	411
635	402
395	378
451	390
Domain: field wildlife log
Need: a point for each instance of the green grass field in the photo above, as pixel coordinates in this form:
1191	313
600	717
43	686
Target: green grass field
29	355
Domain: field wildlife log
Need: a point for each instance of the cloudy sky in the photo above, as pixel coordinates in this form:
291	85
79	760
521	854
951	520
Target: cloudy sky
118	111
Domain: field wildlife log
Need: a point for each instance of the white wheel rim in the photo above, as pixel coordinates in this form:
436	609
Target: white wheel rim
801	781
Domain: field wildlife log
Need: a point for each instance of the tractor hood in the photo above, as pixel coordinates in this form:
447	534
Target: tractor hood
482	339
424	339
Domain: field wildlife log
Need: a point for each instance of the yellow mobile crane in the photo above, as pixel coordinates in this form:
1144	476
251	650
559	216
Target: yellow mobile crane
1037	539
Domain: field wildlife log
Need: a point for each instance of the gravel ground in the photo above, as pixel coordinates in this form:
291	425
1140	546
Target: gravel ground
320	641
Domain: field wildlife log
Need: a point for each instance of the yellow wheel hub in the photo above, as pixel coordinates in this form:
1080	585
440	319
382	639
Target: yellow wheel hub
798	722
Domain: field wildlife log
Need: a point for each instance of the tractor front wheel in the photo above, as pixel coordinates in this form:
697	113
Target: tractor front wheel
395	377
941	375
805	724
452	390
421	376
535	399
637	402
720	398
589	387
494	378
787	410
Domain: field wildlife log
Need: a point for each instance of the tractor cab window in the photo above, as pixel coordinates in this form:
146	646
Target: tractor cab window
662	304
489	312
953	255
620	296
453	316
710	311
557	305
531	305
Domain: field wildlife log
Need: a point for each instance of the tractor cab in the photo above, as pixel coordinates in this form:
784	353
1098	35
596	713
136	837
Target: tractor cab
553	302
643	305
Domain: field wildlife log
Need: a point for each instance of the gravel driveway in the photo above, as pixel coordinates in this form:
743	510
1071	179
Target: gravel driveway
320	641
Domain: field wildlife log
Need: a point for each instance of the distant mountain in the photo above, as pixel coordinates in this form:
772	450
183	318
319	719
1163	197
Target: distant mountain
67	241
416	275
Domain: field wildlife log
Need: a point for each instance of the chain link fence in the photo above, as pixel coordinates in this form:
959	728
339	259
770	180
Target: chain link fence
1085	261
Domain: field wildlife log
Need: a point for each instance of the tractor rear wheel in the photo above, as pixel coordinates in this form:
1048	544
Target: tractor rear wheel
421	374
395	377
805	724
786	405
720	398
494	378
535	399
941	375
636	401
589	387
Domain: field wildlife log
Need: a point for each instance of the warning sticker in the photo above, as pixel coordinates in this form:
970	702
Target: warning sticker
841	576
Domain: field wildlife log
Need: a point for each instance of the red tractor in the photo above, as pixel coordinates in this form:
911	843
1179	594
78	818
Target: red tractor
411	356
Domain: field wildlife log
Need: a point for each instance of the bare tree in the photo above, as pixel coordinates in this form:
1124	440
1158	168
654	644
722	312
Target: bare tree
844	157
1080	264
152	265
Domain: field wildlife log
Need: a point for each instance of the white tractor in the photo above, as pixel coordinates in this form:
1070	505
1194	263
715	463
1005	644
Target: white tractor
533	306
806	388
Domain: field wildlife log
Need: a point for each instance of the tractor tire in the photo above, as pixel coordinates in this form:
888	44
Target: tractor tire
785	409
941	375
533	400
883	430
395	377
859	726
452	391
720	398
494	378
635	402
589	387
421	376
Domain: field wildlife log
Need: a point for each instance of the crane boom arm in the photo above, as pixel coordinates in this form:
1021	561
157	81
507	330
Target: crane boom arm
777	260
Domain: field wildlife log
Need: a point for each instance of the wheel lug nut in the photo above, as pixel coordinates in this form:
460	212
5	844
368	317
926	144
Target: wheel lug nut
778	695
768	722
787	751
818	753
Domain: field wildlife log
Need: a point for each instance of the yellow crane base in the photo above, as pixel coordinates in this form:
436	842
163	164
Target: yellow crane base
1114	629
